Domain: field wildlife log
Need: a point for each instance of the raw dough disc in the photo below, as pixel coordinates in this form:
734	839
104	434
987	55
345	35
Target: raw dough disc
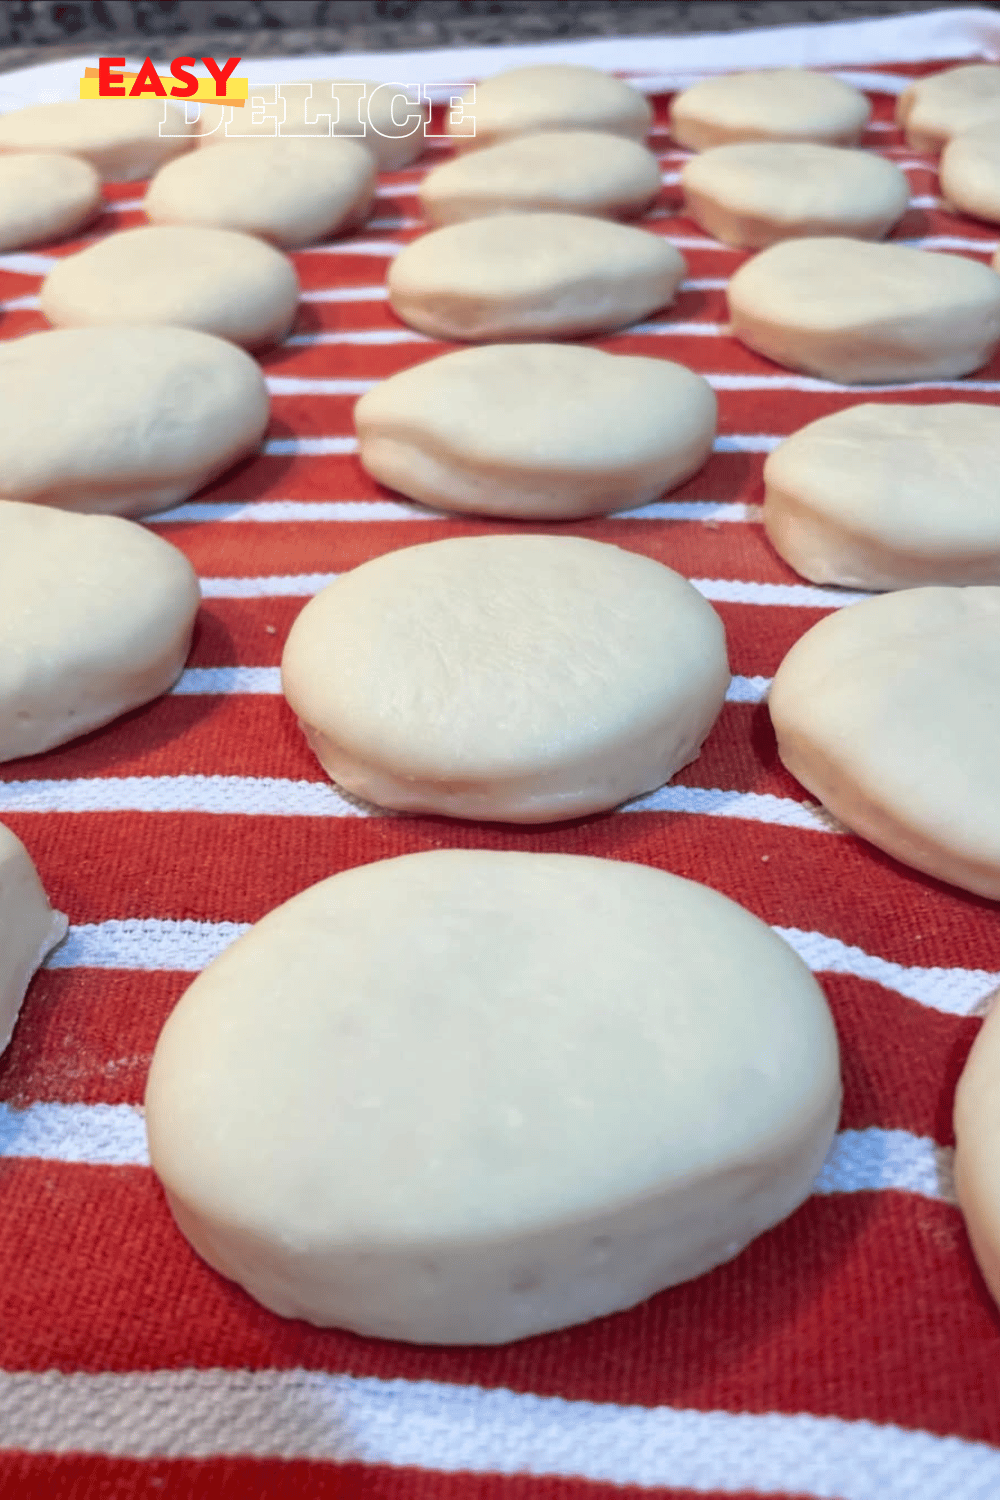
516	678
977	1148
215	280
124	420
855	312
970	171
120	137
528	276
754	193
548	431
889	496
551	96
572	171
462	1097
97	619
934	109
889	712
44	196
29	928
780	104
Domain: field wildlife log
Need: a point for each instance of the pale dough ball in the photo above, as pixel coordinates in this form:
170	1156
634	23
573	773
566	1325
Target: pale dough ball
29	928
521	679
780	104
854	312
463	1097
97	619
119	137
934	109
572	171
551	96
970	171
44	197
524	276
754	193
290	192
228	284
889	713
124	420
549	431
977	1149
889	496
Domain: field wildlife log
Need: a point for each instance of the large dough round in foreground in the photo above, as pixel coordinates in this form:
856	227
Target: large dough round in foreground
754	193
517	678
934	109
228	284
780	104
889	712
532	275
854	312
97	619
887	496
977	1149
969	171
463	1097
119	137
549	431
29	928
551	96
44	196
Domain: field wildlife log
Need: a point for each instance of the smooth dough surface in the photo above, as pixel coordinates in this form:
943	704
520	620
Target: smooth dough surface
536	430
290	192
551	96
97	619
119	137
532	275
977	1148
44	196
969	171
124	420
571	171
516	678
889	496
779	104
231	285
889	712
29	928
934	109
855	312
753	193
463	1097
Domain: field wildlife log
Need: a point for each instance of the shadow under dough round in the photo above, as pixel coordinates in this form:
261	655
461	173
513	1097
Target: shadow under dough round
779	104
549	96
119	137
934	109
44	197
29	928
977	1149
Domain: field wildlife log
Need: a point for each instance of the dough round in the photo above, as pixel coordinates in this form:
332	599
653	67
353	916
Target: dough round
934	109
29	928
525	276
889	712
779	104
124	420
544	431
572	171
119	137
970	171
97	619
854	312
551	96
214	280
289	192
44	196
977	1149
463	1097
889	496
522	679
754	193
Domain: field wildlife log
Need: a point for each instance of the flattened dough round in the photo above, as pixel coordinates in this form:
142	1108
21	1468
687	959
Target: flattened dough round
97	619
119	137
888	496
547	431
124	420
228	284
889	712
779	104
463	1097
856	313
977	1149
934	109
29	928
290	192
753	193
517	678
527	276
44	196
571	171
970	170
551	96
